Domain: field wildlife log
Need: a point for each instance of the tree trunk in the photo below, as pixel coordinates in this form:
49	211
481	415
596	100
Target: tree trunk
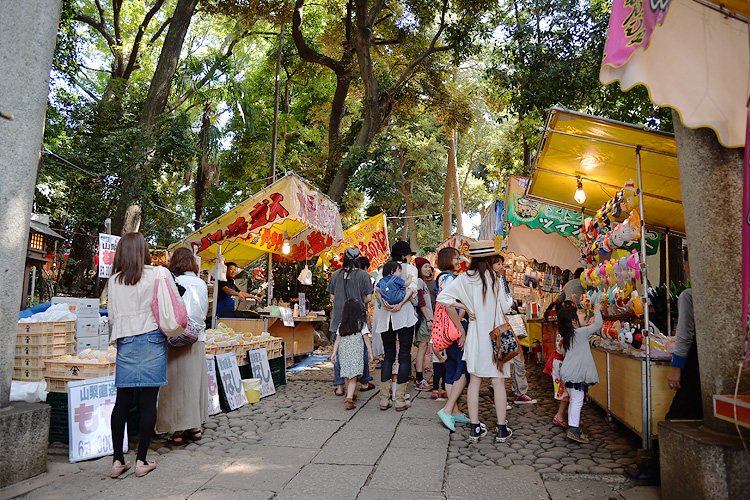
128	214
202	176
453	153
450	179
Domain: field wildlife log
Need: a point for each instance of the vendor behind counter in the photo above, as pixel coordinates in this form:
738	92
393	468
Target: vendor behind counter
228	290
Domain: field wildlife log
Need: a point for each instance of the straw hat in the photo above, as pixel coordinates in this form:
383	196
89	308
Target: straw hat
482	248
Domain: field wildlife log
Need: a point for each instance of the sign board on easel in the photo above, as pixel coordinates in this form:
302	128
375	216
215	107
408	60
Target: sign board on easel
214	405
90	404
230	382
286	316
259	365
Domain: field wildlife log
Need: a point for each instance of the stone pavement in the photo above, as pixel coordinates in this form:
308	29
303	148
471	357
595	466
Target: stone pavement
301	443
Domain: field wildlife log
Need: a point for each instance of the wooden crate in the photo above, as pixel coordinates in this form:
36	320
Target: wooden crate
45	338
56	384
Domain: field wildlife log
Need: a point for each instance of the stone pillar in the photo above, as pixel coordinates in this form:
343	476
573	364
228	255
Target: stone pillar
28	30
711	181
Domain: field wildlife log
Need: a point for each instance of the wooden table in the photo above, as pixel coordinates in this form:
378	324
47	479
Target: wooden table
299	338
619	391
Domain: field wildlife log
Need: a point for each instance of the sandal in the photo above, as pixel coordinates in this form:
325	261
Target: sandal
337	393
192	435
349	404
367	387
118	469
176	439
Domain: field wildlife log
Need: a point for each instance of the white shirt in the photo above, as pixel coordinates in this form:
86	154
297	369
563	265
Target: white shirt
489	309
196	300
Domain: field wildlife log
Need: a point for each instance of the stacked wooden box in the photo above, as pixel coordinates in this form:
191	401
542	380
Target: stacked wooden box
36	342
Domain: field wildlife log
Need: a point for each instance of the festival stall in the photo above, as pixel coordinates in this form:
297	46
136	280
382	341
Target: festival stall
289	218
593	161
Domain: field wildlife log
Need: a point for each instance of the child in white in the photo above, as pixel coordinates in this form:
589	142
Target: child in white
578	371
352	335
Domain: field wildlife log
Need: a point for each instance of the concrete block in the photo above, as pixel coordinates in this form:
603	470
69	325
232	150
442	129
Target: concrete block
304	434
699	463
24	428
331	481
405	469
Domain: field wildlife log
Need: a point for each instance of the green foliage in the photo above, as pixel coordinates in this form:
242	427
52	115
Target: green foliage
286	287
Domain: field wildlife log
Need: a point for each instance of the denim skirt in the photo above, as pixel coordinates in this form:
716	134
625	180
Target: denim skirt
142	360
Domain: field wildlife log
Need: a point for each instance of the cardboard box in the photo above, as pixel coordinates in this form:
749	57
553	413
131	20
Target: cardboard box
87	343
82	308
104	342
87	327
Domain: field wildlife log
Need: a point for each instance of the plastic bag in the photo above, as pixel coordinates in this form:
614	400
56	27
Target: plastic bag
30	392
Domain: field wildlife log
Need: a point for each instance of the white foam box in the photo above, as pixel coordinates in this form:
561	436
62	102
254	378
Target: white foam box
103	342
87	327
82	308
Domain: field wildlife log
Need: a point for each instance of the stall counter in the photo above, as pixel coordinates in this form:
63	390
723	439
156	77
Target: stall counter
299	338
619	391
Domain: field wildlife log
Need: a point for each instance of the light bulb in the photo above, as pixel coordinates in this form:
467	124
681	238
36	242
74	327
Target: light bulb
580	196
286	248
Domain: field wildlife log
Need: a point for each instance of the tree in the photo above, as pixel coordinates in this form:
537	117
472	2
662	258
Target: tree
391	43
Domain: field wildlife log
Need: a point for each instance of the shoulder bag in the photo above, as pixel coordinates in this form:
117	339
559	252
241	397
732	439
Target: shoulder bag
167	305
504	344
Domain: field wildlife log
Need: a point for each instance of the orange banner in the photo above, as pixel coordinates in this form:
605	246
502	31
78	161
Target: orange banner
370	237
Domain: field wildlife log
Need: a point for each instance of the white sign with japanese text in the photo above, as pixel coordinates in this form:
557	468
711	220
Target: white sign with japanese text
286	316
107	248
230	380
214	406
259	363
90	404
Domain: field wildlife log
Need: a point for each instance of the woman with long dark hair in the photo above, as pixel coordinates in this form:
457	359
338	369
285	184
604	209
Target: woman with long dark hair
483	294
141	347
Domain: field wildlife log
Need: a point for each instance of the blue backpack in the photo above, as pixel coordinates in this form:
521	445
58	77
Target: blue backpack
390	291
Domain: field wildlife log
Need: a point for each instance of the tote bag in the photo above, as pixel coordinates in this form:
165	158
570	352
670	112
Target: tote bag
167	305
444	332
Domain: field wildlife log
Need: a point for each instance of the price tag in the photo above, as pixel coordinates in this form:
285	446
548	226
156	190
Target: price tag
286	316
90	404
259	364
230	383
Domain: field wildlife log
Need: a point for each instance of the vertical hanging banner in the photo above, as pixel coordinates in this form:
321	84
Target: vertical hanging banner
230	382
370	237
90	404
259	364
107	248
630	27
214	405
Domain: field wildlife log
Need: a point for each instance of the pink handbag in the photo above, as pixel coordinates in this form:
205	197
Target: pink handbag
167	306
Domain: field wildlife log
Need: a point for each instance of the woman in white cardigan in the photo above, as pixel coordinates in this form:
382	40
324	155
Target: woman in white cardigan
483	294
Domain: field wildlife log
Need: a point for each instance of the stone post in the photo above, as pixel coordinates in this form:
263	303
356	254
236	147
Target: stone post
711	181
28	30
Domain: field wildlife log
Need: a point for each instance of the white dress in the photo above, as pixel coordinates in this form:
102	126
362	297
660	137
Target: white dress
490	312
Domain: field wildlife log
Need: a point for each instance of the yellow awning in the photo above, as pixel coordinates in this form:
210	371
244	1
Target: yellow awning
258	225
602	153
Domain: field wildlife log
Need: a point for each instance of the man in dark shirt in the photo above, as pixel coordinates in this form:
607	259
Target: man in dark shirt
227	291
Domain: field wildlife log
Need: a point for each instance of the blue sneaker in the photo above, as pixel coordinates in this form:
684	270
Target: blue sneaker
461	419
447	420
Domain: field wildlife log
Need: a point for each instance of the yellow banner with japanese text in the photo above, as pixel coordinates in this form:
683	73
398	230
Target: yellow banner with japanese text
370	237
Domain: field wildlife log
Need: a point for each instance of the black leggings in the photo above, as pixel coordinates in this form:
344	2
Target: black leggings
147	407
438	376
405	337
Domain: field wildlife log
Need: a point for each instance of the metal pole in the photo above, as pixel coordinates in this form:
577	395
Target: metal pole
269	277
215	306
54	271
669	298
275	133
645	381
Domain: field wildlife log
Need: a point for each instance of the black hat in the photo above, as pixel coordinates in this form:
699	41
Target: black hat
400	248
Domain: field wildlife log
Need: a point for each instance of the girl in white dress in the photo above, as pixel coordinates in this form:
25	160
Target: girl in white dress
482	293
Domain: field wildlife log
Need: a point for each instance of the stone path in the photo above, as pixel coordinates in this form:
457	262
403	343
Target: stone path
301	443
